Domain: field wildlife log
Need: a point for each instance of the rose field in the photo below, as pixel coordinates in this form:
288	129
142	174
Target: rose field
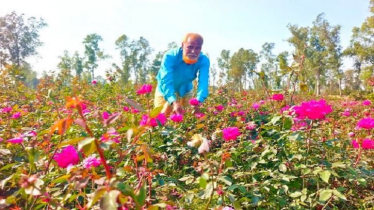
101	145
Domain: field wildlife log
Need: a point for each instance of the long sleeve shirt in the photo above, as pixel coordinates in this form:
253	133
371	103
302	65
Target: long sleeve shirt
175	76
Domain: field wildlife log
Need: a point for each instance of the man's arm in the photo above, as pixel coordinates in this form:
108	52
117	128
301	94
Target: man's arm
202	87
166	77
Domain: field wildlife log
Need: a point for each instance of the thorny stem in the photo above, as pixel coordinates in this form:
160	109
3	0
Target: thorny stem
327	203
358	158
98	148
54	152
213	181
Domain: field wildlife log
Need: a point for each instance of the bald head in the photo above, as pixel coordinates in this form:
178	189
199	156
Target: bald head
193	37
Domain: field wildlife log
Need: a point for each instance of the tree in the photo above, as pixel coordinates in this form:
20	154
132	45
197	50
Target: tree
299	39
243	63
93	52
19	38
213	75
268	66
224	64
361	47
283	66
65	61
122	43
77	64
172	45
321	50
142	66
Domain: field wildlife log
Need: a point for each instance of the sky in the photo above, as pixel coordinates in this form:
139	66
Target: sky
224	24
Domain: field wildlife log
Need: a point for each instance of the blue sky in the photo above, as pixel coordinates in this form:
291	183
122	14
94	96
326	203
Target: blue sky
224	24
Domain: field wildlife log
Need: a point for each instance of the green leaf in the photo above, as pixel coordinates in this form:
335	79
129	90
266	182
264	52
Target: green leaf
155	112
287	123
121	172
325	175
33	158
282	168
338	165
362	181
303	197
227	180
126	189
135	105
61	179
202	182
275	119
183	179
325	195
228	163
10	165
140	198
87	145
305	171
296	194
109	201
339	194
4	181
237	205
208	191
95	196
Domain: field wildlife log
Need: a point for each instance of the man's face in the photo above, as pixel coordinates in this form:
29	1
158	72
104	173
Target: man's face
191	48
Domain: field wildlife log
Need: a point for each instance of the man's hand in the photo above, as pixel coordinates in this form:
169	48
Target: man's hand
177	108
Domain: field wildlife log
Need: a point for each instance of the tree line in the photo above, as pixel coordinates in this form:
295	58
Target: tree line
314	65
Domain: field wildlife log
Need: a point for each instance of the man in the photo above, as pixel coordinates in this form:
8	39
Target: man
179	68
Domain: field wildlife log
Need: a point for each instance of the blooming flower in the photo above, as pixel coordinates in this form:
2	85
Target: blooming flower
194	102
234	114
16	115
347	112
31	134
144	89
227	208
230	133
91	161
94	82
368	144
219	108
68	156
16	140
366	123
314	110
366	103
198	140
255	106
86	111
110	135
199	115
204	147
105	115
6	110
134	111
351	134
176	117
277	97
241	113
251	125
126	108
146	120
355	144
286	109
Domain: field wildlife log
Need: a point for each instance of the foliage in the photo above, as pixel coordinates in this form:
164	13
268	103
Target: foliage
276	161
19	38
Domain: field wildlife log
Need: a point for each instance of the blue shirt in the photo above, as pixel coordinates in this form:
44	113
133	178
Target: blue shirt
176	76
